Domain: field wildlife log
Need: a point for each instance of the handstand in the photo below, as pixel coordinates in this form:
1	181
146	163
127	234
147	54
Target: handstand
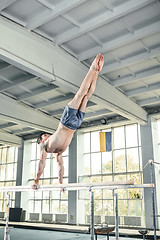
71	120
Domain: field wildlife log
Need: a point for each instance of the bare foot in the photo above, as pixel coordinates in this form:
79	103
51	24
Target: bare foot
98	62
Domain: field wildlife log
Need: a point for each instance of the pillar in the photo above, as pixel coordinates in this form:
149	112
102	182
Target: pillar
19	175
147	154
72	178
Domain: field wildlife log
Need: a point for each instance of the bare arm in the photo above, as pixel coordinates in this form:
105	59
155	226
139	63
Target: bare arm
59	159
41	165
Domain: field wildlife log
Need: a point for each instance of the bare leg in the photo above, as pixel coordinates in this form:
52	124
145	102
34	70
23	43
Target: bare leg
86	85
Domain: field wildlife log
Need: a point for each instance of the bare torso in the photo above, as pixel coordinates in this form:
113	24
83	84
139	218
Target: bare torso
60	140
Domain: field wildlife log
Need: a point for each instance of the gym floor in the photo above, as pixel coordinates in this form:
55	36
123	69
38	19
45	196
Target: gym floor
30	234
38	231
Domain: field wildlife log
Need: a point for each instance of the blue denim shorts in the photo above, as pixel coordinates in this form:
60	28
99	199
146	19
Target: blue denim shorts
72	118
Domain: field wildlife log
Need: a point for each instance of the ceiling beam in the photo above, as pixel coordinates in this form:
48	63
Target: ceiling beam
54	101
98	113
3	66
5	3
7	125
148	101
46	4
106	5
60	111
11	110
58	66
131	60
23	130
142	90
138	76
49	15
36	92
102	19
121	41
9	139
16	82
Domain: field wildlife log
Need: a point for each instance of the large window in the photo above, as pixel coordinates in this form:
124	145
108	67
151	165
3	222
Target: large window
8	171
121	164
53	201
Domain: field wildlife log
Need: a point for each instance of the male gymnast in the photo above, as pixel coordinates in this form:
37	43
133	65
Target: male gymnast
71	119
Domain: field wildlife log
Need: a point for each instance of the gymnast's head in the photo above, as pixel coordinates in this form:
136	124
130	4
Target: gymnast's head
43	137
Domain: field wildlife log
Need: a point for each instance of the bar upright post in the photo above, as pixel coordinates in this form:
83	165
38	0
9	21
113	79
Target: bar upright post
116	215
7	229
92	215
153	203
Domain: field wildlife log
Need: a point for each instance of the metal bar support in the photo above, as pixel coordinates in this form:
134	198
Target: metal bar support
116	215
92	215
7	229
153	202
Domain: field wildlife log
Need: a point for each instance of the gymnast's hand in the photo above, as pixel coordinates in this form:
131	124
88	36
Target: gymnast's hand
35	185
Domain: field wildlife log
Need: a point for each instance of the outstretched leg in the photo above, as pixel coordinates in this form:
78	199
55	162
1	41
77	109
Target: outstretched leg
88	85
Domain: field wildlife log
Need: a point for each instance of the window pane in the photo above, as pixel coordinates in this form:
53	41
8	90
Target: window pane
95	163
38	205
38	194
118	138
98	207
132	159
64	207
95	143
11	154
15	171
86	164
34	147
33	169
131	136
86	142
45	194
0	155
107	194
107	178
106	162
95	179
87	208
4	155
55	206
84	194
1	193
136	177
1	205
119	161
135	193
55	168
45	206
9	172
37	152
108	207
31	205
135	208
158	125
2	171
120	177
65	163
123	207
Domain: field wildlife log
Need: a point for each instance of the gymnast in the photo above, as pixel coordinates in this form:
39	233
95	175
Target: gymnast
71	119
